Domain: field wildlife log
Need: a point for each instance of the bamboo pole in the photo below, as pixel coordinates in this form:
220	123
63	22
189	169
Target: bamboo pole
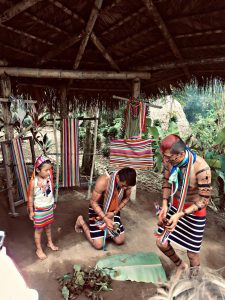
94	154
90	25
135	93
69	74
25	101
126	99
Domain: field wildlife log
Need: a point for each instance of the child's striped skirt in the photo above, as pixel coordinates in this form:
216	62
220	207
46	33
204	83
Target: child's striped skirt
43	216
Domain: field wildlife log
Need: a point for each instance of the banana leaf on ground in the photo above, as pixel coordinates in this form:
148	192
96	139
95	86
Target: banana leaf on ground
140	267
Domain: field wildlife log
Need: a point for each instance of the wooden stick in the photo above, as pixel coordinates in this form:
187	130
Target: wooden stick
25	101
69	74
88	31
126	99
94	153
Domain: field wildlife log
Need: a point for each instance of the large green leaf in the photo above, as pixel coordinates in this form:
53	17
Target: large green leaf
214	163
154	132
140	267
222	176
173	128
222	161
220	139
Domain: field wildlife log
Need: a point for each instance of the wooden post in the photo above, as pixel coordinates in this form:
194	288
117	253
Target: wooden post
6	91
136	89
94	154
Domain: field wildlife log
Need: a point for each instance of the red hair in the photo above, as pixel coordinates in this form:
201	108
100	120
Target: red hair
167	142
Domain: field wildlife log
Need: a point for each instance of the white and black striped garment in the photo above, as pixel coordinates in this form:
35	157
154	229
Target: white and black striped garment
188	232
97	233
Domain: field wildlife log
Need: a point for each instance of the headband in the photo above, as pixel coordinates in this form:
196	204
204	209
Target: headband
40	160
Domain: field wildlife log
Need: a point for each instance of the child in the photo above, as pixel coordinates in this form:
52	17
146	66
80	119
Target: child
41	203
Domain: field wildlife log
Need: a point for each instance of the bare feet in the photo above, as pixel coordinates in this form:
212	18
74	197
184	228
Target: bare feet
41	254
78	224
53	247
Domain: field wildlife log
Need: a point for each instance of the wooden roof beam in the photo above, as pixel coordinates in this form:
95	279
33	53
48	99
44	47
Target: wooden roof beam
60	48
31	36
72	74
89	28
94	38
67	11
165	32
123	21
174	65
200	33
17	9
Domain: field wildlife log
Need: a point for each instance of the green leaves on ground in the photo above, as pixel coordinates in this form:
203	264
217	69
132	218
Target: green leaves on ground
90	281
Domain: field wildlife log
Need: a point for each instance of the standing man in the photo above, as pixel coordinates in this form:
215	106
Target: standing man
111	193
186	192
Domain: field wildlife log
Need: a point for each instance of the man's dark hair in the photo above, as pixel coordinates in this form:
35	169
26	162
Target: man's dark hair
128	175
178	147
44	163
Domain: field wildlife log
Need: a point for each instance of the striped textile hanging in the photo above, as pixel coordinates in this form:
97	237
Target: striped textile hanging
70	153
20	167
136	154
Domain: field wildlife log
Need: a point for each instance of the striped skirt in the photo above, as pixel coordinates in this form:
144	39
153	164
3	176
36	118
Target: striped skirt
97	233
188	232
43	216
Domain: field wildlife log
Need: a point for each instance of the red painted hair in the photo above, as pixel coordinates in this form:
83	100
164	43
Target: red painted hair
167	142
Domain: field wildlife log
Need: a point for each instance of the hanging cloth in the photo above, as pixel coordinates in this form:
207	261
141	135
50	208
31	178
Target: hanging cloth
20	167
70	153
135	119
136	154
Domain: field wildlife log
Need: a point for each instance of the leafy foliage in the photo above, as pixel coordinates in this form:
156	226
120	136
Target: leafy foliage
90	281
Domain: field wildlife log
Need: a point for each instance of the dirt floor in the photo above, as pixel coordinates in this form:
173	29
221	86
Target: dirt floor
139	220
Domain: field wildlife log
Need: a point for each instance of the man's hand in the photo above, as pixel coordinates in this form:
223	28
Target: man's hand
172	222
109	223
162	216
110	215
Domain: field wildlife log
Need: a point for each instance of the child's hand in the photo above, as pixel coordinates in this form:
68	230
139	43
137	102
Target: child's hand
31	215
54	206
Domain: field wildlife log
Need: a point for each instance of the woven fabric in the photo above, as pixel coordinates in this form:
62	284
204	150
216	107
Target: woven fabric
20	167
136	154
43	216
135	119
70	153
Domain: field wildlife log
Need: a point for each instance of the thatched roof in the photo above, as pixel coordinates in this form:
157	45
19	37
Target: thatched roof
173	40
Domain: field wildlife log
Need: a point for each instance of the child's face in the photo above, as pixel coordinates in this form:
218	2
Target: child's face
45	170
